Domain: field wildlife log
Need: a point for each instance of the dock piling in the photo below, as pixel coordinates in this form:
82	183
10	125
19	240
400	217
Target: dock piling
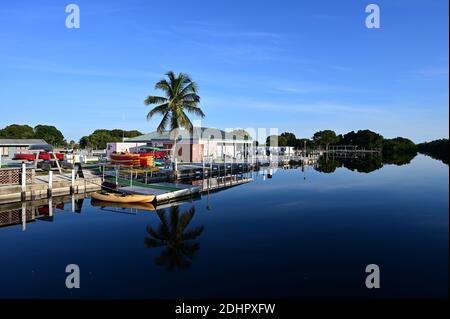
24	216
50	183
72	185
23	193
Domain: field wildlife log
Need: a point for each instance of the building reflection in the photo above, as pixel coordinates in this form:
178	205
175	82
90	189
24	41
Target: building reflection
175	237
43	210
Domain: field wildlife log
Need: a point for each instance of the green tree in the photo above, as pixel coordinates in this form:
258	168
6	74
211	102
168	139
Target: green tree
325	137
327	166
172	233
289	138
363	139
17	131
50	134
276	140
301	142
84	142
438	149
397	145
180	97
99	138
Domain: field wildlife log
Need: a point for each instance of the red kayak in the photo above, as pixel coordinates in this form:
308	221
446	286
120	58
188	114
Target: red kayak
24	157
42	156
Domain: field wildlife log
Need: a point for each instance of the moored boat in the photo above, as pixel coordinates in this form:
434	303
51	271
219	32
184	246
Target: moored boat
122	198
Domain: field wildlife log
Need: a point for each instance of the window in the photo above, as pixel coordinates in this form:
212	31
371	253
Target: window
4	151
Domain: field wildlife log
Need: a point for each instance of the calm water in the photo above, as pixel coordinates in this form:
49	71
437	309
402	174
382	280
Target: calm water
298	234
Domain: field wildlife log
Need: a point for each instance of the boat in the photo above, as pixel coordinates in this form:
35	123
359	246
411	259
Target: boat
122	198
141	206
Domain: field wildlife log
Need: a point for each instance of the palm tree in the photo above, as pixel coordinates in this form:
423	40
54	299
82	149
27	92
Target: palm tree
180	248
180	96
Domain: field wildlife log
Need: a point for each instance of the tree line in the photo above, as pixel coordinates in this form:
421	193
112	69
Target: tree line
99	138
366	139
438	149
48	133
52	135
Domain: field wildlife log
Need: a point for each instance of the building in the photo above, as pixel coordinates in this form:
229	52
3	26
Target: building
276	150
9	147
204	144
119	147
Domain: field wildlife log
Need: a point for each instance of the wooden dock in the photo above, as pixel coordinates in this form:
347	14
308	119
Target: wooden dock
40	187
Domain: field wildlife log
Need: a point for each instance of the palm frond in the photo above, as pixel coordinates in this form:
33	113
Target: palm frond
194	109
159	109
192	234
155	100
164	86
163	124
185	78
190	88
191	97
171	75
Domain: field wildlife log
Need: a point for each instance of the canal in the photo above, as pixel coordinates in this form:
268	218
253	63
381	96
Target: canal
296	233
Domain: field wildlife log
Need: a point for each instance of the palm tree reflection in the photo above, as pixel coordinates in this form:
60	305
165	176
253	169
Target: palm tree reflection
178	241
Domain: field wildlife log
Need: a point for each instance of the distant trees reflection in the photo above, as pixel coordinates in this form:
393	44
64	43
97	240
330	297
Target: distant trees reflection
363	164
172	234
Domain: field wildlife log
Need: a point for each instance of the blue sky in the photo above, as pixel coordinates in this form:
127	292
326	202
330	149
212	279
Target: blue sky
298	66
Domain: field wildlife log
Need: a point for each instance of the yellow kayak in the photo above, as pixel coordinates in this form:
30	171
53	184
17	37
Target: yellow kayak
141	206
122	198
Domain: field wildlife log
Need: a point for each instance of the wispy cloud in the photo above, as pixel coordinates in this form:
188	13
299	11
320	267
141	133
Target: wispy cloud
433	72
324	107
47	67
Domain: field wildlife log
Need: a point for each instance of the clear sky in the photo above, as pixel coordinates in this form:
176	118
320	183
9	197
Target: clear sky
299	66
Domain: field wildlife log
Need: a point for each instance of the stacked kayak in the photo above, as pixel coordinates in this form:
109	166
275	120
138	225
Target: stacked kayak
131	159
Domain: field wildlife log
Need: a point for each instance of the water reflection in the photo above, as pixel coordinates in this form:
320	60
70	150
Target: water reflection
178	241
362	164
122	206
43	210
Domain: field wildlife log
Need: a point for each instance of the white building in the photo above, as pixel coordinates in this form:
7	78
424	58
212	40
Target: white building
204	144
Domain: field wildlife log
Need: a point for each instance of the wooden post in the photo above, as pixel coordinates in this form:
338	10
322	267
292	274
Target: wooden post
73	203
24	216
24	182
57	163
231	167
210	167
72	185
50	207
203	167
50	183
